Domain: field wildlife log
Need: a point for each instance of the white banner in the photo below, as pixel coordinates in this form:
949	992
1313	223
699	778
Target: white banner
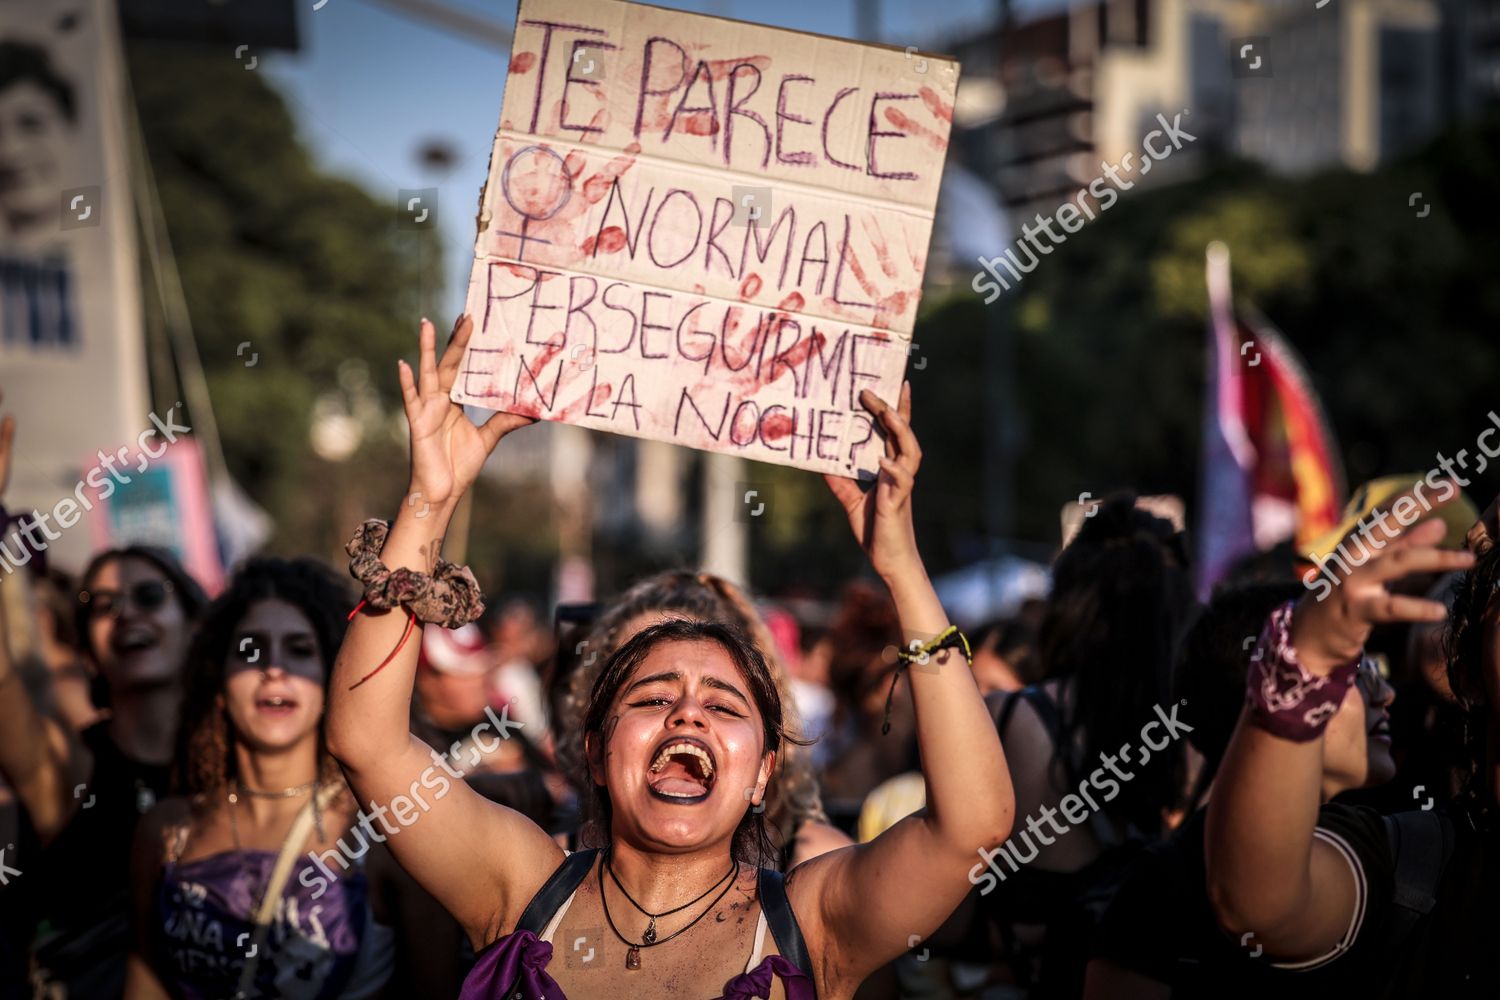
72	363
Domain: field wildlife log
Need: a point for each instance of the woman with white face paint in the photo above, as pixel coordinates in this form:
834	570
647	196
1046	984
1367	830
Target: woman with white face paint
682	735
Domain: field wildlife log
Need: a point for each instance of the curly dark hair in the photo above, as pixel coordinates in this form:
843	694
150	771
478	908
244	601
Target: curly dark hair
205	763
752	843
1475	612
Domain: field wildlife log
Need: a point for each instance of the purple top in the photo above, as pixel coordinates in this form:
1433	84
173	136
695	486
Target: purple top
205	910
518	961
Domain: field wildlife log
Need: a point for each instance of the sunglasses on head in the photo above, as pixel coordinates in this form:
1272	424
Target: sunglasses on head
147	595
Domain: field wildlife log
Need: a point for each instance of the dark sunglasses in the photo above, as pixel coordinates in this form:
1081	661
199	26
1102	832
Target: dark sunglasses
1371	673
148	595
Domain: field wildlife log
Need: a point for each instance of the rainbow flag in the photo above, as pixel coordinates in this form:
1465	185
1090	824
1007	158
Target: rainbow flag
1270	468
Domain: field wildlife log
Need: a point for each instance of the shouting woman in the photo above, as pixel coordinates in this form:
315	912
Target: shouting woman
227	899
793	811
682	734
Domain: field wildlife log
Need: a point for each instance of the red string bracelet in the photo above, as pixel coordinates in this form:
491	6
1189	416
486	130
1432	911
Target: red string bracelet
449	596
411	623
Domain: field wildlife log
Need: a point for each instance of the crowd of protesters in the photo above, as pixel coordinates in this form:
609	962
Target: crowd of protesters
318	784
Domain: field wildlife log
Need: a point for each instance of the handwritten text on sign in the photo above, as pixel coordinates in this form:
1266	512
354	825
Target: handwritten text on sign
704	231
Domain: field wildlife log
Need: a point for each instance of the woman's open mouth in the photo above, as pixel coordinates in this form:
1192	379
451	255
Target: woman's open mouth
276	704
1382	729
682	772
128	640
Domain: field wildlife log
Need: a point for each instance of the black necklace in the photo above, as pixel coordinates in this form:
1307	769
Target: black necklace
649	938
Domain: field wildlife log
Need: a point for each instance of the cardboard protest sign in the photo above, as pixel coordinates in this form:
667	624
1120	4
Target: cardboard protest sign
704	231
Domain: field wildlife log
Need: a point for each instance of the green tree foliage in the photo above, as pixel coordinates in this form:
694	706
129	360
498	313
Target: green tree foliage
1395	315
308	268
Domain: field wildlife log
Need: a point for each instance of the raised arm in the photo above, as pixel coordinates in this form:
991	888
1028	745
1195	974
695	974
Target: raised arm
36	756
1268	875
479	859
859	901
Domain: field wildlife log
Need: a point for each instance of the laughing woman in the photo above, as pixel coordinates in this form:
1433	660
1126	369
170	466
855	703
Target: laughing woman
133	617
682	734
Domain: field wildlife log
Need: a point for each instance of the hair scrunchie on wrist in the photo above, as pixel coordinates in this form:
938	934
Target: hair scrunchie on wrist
449	596
1284	697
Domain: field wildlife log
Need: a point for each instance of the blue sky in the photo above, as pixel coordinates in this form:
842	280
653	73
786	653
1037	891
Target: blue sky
371	87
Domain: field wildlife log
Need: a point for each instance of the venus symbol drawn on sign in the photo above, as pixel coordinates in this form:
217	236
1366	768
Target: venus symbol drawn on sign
537	191
640	274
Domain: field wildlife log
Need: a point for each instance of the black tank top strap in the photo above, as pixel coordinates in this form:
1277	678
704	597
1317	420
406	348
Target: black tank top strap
1047	710
1041	703
783	923
1007	708
551	896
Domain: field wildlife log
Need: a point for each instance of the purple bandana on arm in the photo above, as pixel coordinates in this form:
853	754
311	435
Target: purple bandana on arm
1284	697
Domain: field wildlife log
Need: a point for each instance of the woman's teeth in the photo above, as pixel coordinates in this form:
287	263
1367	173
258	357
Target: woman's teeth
662	759
678	792
689	779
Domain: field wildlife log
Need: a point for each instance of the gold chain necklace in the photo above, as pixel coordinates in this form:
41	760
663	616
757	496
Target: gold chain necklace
234	826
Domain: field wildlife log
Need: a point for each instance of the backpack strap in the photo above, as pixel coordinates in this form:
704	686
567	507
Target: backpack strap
783	923
1421	844
551	896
